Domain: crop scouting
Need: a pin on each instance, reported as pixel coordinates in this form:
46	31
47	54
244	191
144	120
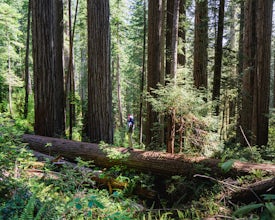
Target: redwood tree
262	81
256	78
154	62
173	74
201	44
47	35
218	58
27	73
100	121
182	33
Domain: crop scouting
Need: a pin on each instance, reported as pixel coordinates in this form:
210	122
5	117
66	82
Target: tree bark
154	65
256	77
261	88
201	44
27	74
158	163
100	119
218	60
173	75
182	33
142	75
47	35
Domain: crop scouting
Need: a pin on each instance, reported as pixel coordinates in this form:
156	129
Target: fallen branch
248	193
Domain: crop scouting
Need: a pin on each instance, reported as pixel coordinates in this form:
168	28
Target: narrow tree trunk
142	75
157	163
27	74
182	32
218	59
240	73
9	80
163	68
154	65
118	78
274	83
169	29
70	72
173	75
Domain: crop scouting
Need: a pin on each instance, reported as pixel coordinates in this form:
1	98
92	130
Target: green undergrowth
70	193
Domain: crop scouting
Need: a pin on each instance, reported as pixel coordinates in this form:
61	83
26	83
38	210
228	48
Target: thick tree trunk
158	163
256	77
100	117
47	35
261	90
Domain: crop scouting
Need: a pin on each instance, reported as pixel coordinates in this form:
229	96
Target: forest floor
33	189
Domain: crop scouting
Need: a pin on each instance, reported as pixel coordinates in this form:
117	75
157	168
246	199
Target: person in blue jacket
131	126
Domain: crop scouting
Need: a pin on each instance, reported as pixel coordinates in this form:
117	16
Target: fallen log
158	163
253	192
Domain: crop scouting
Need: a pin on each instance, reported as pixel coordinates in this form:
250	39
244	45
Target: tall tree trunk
218	59
233	47
118	77
27	74
9	79
274	83
142	75
182	33
48	67
100	120
262	78
154	63
70	73
201	44
162	123
173	75
240	71
249	51
169	28
256	79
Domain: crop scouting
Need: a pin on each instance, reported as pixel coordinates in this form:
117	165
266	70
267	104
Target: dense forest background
197	75
191	74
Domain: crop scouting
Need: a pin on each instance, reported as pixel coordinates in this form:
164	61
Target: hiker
131	126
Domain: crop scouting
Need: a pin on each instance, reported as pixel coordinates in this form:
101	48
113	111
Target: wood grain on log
158	163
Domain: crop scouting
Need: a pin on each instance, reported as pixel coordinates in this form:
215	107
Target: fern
41	212
28	212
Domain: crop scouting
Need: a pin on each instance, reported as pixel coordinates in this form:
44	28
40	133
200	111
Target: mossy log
157	163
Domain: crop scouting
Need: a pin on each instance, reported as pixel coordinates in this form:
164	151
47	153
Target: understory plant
195	126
